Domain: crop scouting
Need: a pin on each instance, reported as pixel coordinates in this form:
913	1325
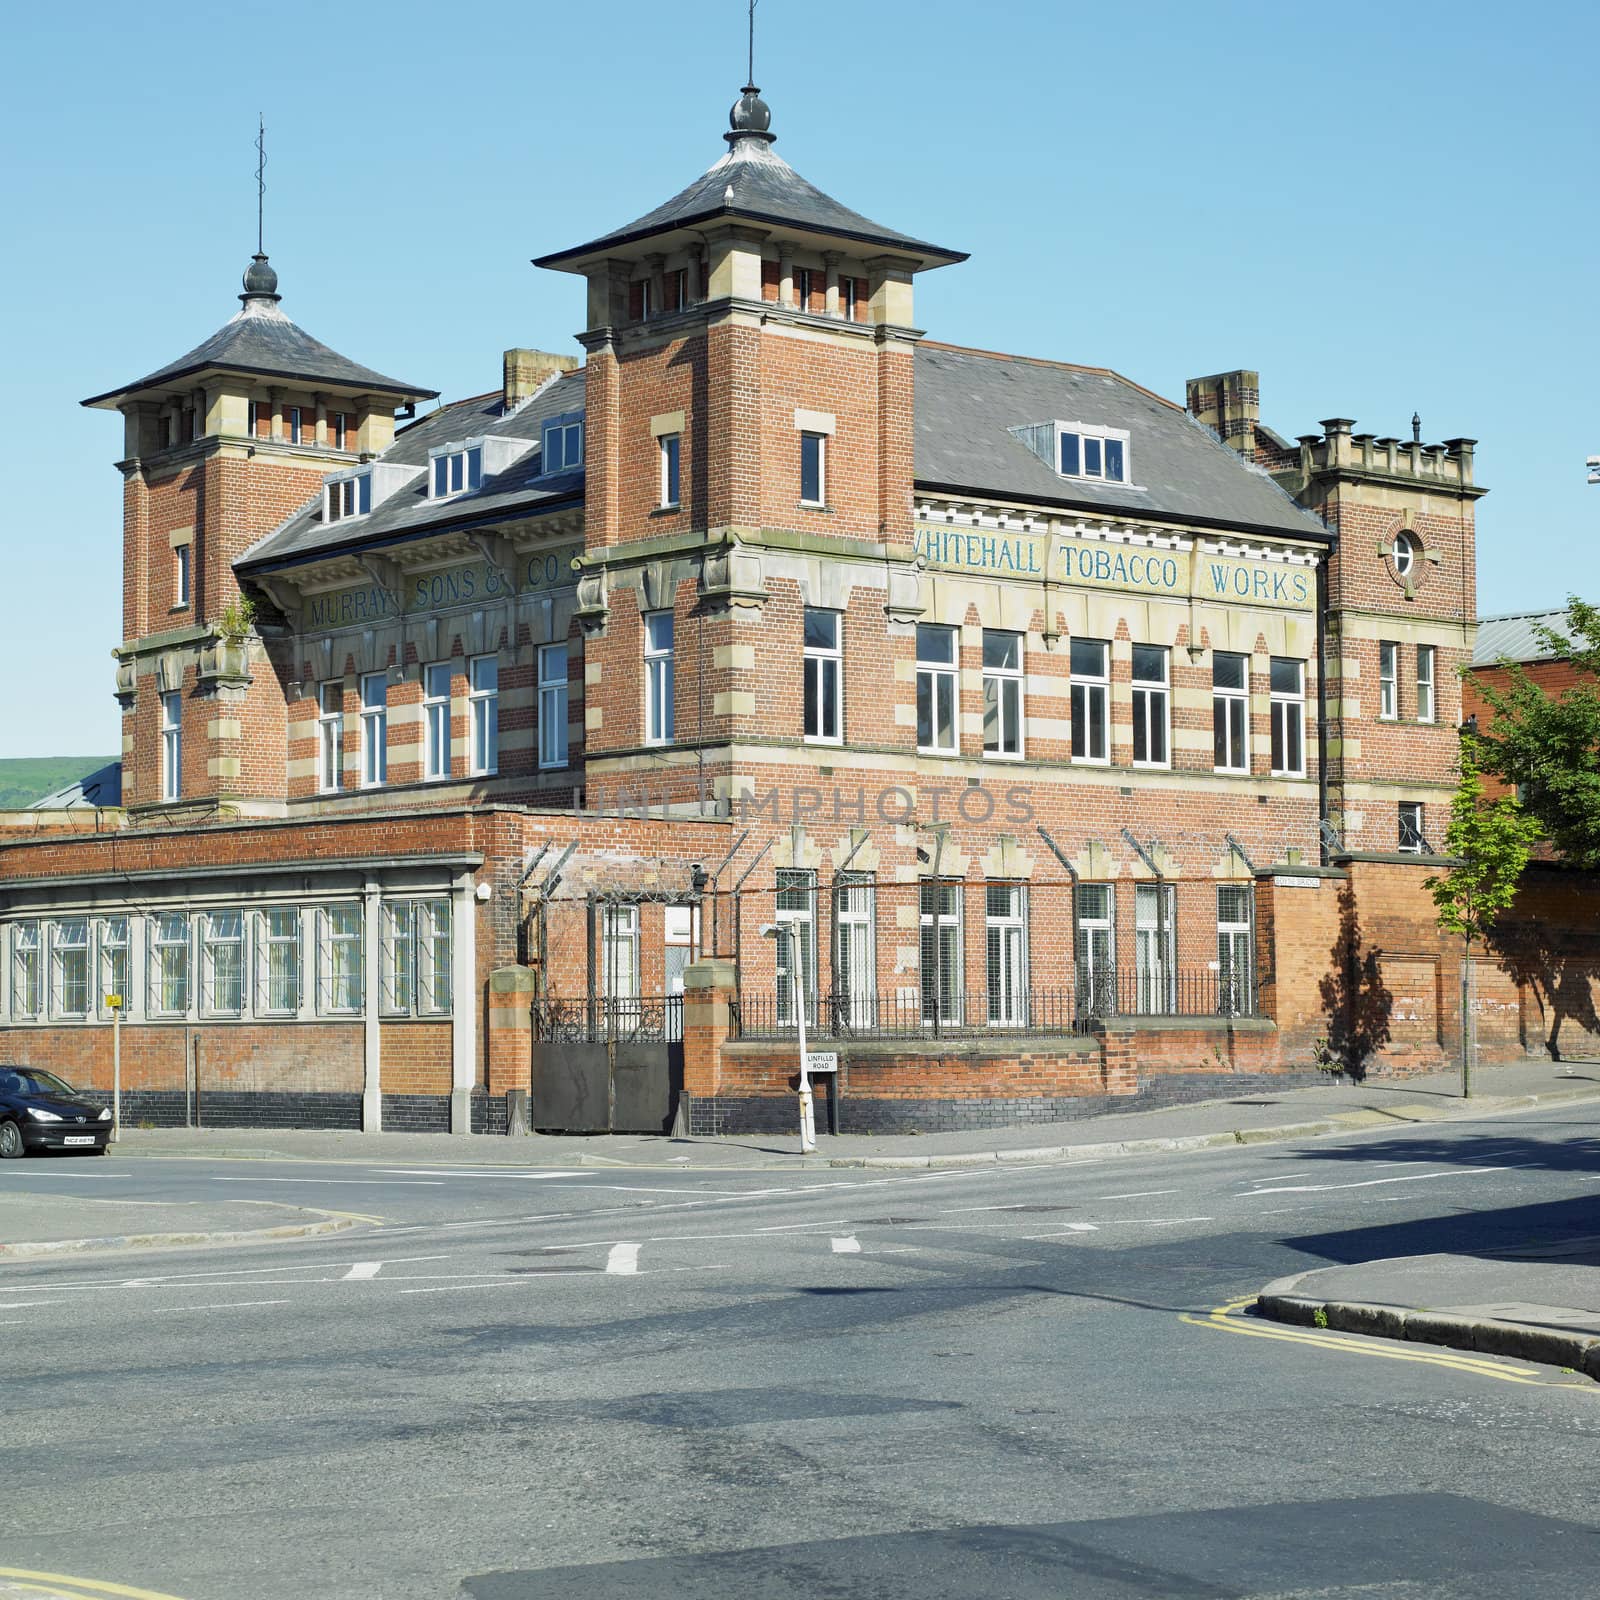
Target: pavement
1531	1305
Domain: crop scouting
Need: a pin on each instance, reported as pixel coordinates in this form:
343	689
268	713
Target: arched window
1405	553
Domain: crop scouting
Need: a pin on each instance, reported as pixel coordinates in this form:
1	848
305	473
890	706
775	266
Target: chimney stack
1229	403
525	370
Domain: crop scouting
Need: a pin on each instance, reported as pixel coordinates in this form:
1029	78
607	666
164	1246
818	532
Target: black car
40	1112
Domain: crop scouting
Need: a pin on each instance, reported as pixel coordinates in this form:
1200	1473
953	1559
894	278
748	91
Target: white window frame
1090	441
1404	553
1094	947
1004	697
855	971
1154	948
415	957
1388	680
374	729
1236	947
288	947
1288	712
553	705
1005	923
1414	812
794	904
28	978
566	434
1230	717
172	744
939	690
170	931
849	300
436	720
808	437
347	496
183	574
940	935
294	420
338	425
1090	704
670	446
455	470
330	735
1152	708
1427	683
114	961
660	676
822	678
218	943
483	715
70	940
620	983
341	983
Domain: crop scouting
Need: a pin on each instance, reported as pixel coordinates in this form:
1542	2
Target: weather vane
261	180
751	77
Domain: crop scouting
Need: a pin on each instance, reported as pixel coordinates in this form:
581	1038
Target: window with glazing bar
374	729
69	967
855	981
936	689
169	964
27	971
1425	701
1230	711
670	445
553	705
939	913
659	675
822	667
1288	684
278	961
116	972
172	745
1006	954
1152	714
1090	660
340	977
330	734
222	963
1002	694
483	714
436	720
794	906
1388	680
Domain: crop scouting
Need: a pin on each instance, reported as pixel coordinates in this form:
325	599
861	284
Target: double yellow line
1226	1318
65	1588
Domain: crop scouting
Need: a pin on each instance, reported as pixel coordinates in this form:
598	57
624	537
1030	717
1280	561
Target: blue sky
1382	210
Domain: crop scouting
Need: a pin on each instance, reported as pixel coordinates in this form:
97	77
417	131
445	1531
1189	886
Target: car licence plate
79	1138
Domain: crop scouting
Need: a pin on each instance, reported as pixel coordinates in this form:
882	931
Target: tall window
823	669
116	973
849	299
483	713
340	431
1002	694
1230	711
436	720
27	970
374	729
330	734
795	904
1425	703
182	555
942	974
936	688
1151	706
619	953
294	424
1095	949
340	985
222	963
172	745
855	983
1388	680
671	444
813	468
802	288
658	677
1153	944
1288	717
278	961
553	705
1006	960
415	958
1091	700
69	967
1411	840
1235	949
169	964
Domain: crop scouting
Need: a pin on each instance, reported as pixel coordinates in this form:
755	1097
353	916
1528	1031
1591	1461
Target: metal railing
598	1019
1075	1009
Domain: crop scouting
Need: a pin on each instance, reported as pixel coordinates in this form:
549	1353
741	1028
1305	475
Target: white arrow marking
363	1269
623	1259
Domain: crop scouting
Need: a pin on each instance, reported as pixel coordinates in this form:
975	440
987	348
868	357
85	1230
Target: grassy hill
24	779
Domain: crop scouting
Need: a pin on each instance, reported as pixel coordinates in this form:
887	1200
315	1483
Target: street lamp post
785	935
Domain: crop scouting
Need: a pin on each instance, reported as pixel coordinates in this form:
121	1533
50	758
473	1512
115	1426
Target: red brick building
1074	731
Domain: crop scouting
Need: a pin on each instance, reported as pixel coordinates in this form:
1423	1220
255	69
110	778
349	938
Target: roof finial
261	180
750	76
751	118
260	281
1416	428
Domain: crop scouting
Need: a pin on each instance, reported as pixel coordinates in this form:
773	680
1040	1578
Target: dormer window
345	497
1084	450
563	445
455	469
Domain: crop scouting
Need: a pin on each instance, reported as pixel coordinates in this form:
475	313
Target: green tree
1489	843
1548	746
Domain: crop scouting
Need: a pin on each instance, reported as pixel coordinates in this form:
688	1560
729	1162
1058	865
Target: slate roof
764	188
102	787
409	512
968	400
1511	638
260	339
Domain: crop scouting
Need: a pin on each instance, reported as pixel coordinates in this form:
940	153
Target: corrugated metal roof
1512	637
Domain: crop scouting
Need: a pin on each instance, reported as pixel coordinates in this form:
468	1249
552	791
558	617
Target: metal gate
607	1066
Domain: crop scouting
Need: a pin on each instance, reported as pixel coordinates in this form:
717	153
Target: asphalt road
587	1384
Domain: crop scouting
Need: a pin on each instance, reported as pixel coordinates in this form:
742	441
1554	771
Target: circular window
1405	553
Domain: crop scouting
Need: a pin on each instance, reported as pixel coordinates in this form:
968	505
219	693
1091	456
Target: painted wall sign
1126	569
443	589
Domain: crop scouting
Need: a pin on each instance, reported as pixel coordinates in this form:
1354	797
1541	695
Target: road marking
467	1172
1144	1194
623	1259
217	1305
1369	1183
369	1183
846	1245
1225	1319
362	1269
86	1585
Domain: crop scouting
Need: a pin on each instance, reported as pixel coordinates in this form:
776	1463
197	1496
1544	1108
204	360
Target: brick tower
749	384
221	446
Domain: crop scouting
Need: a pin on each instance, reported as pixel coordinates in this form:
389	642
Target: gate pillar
710	989
510	1052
